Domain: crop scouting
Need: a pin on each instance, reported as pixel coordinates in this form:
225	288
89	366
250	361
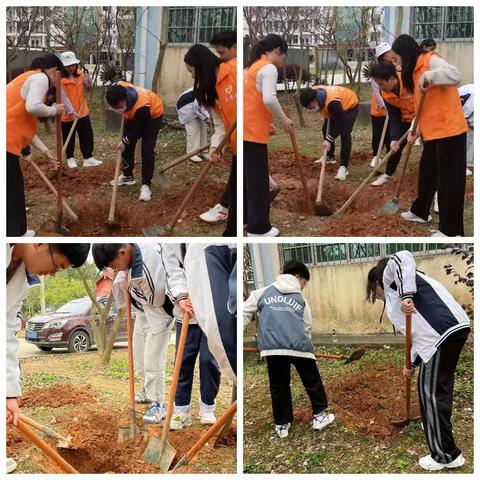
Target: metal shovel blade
356	355
390	207
129	433
322	210
60	227
65	442
405	422
163	179
112	224
154	455
157	231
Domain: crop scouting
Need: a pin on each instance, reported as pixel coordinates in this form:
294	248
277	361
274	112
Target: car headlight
56	324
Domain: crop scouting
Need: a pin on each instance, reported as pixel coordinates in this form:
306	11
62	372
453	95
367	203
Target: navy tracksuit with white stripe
439	331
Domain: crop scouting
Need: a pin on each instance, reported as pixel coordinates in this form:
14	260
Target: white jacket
191	111
146	285
439	314
17	289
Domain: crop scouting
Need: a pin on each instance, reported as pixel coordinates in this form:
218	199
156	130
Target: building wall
337	295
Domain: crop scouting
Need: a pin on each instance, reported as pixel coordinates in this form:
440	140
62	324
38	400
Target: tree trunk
158	67
301	118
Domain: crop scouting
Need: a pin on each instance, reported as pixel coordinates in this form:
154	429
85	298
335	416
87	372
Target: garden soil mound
95	447
56	396
88	192
362	217
368	402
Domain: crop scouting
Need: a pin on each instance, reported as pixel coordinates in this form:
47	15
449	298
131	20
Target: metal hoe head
322	210
390	207
112	224
155	456
60	227
129	433
157	231
356	355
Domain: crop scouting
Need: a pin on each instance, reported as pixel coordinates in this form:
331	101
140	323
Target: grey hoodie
285	318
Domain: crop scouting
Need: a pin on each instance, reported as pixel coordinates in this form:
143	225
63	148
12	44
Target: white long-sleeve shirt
266	84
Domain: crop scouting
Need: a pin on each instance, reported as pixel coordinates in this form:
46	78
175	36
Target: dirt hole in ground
368	402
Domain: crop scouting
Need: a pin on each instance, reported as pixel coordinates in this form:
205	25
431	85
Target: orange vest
347	97
226	105
145	97
256	116
404	101
442	114
75	91
21	125
375	109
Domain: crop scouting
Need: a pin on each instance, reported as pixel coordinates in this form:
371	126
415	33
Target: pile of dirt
362	217
57	395
368	402
95	447
16	441
88	192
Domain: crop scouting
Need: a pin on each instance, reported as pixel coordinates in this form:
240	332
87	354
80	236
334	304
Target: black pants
256	204
231	193
442	168
16	212
85	137
435	389
149	140
394	160
279	377
345	135
377	128
196	345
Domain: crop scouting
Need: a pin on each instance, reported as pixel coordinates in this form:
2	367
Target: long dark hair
205	65
375	275
267	44
406	46
46	61
75	73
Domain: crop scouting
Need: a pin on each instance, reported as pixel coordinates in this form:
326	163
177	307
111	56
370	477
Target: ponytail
267	44
375	275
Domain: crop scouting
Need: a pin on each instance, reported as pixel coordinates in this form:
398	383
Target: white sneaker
381	180
330	159
469	172
181	420
156	413
273	232
373	163
141	397
321	420
216	214
71	162
207	418
145	194
341	174
428	463
11	465
123	180
196	159
29	233
91	162
435	203
411	217
282	430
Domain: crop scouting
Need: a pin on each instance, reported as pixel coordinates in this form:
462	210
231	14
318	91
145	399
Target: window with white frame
343	253
443	23
189	25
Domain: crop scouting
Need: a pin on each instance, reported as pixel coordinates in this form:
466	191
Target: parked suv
69	326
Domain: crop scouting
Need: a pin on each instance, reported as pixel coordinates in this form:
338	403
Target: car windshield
77	306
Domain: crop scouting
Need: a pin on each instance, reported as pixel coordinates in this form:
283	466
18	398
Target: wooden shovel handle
111	213
382	138
408	350
181	159
72	128
58	124
200	443
369	177
175	375
408	149
323	162
46	448
131	374
317	354
42	428
200	178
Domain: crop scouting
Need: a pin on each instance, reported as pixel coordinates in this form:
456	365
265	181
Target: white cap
69	58
380	49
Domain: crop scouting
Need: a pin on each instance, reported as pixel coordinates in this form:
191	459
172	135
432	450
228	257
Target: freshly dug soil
368	402
95	447
88	192
56	396
362	217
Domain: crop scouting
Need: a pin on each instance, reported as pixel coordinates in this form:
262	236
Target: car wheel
44	349
79	342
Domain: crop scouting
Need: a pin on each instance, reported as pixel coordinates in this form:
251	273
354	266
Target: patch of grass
118	368
42	380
